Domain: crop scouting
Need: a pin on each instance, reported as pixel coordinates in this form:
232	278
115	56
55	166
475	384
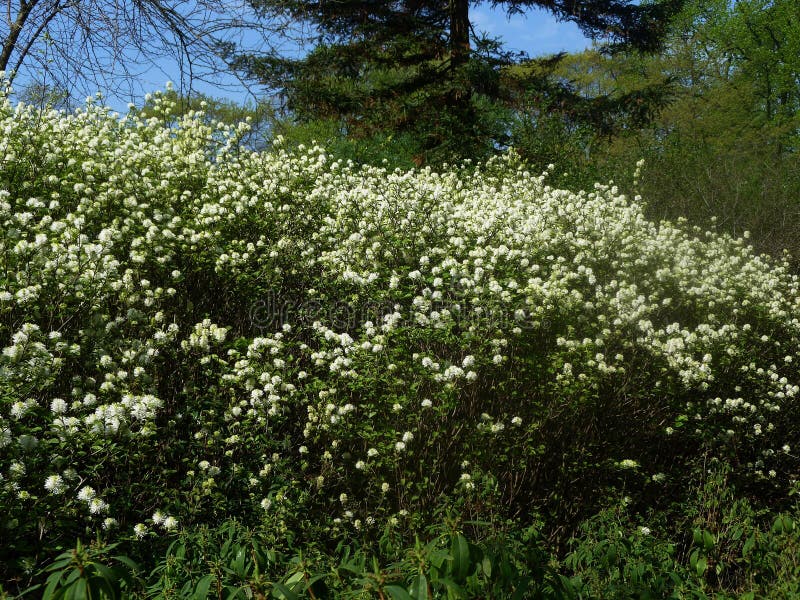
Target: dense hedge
194	332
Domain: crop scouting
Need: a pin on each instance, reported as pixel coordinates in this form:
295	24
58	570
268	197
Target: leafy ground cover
278	374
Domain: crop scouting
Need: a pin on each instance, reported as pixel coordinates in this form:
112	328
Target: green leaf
79	591
74	574
109	591
486	565
397	593
708	541
294	579
281	592
748	545
60	562
698	536
203	586
693	558
52	584
701	566
452	587
105	572
127	562
460	551
238	563
313	580
782	524
419	587
438	557
235	592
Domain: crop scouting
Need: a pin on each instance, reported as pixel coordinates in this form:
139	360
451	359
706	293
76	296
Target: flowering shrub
192	330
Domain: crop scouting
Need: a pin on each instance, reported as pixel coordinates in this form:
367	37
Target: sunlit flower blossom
97	506
86	494
58	406
55	485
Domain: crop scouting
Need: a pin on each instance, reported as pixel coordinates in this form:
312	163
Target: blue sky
537	32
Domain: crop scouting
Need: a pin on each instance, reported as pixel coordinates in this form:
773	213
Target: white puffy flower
55	485
58	406
86	494
97	506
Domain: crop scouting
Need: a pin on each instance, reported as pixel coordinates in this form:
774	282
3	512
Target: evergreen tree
417	68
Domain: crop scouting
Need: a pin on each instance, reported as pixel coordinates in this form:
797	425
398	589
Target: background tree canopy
418	70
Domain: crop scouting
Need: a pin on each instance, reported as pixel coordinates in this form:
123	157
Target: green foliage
391	150
83	573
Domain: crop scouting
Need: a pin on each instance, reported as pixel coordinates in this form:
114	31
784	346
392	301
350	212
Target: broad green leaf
80	591
419	587
460	551
52	584
708	540
203	586
282	592
486	565
105	572
397	593
453	588
748	545
60	563
697	534
294	579
132	567
238	562
701	566
312	580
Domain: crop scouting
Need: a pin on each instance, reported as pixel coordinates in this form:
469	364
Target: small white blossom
55	485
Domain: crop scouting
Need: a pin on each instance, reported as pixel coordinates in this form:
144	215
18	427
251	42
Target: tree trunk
459	32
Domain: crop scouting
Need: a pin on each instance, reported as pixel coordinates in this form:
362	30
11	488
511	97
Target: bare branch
86	45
